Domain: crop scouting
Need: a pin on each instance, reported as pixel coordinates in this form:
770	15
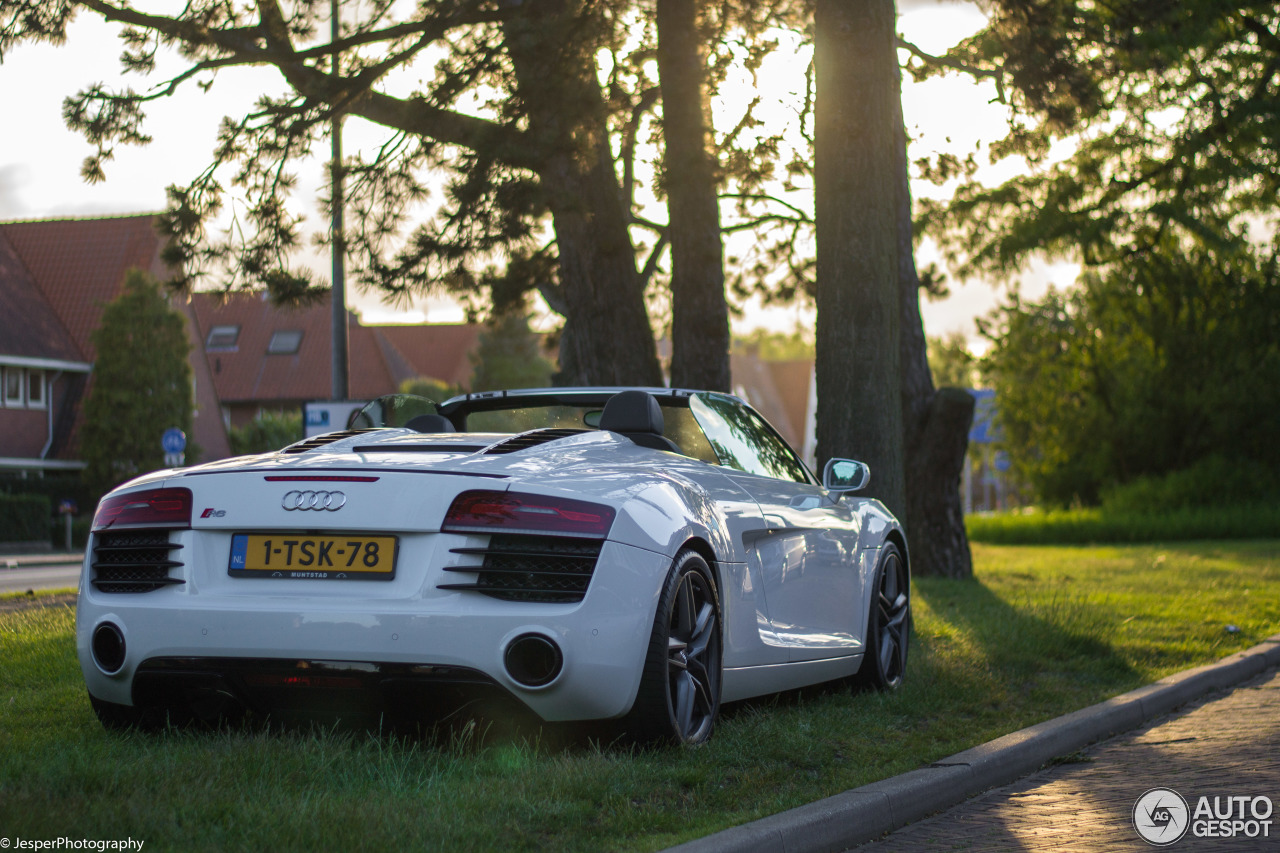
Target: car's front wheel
679	696
884	662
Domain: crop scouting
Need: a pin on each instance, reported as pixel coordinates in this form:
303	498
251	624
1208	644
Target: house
264	357
247	355
784	392
56	276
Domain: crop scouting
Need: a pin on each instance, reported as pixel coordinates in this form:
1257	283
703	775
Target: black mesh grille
531	568
133	560
525	440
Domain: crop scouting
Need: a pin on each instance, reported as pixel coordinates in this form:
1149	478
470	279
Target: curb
31	561
864	814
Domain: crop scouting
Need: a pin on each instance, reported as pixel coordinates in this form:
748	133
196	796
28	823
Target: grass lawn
1043	631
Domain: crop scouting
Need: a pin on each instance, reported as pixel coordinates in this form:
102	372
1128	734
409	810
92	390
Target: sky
40	158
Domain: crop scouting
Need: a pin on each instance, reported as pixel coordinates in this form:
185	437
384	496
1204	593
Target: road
47	576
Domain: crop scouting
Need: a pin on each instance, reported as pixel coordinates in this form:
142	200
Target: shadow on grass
979	666
1044	655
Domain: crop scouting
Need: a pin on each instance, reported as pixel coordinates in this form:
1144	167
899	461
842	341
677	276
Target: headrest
632	411
429	423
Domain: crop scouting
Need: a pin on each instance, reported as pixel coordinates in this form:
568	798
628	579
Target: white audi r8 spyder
633	555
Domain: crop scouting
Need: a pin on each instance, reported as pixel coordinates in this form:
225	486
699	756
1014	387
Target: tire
679	696
884	663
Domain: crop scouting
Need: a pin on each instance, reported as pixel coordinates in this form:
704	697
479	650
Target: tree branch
956	65
1266	38
410	115
651	262
801	215
761	220
642	106
401	30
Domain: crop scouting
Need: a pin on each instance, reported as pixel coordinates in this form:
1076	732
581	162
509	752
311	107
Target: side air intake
547	569
133	560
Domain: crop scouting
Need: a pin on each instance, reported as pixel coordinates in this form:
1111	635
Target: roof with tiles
56	276
29	327
440	351
245	370
80	264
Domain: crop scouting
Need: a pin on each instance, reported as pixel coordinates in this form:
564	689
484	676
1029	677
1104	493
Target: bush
56	487
80	527
1098	525
24	518
1213	481
1143	369
266	433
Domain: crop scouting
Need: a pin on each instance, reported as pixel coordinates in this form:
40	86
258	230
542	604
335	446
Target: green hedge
57	486
24	518
1100	525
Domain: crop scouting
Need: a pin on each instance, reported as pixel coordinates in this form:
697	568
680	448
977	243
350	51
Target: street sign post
174	442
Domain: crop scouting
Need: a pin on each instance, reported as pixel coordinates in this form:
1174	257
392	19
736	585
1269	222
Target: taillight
516	512
154	508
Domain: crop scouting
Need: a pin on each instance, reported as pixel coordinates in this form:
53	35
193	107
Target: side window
742	440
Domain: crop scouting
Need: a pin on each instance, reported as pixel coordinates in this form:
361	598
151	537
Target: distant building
268	358
247	355
784	392
56	276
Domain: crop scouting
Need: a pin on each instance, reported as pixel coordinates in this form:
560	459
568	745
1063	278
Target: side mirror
845	475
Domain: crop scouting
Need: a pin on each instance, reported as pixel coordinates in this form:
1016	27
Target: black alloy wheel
889	625
679	697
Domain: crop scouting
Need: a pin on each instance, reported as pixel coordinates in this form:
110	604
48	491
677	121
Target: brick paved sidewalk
1227	744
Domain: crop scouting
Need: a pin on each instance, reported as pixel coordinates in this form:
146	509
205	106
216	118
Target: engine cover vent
533	438
322	440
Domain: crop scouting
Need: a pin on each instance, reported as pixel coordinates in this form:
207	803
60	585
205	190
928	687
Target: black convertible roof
488	401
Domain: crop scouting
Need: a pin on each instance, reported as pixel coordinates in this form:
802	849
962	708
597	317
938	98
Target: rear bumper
176	638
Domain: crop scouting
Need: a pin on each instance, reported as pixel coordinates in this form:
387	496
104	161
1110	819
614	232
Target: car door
806	552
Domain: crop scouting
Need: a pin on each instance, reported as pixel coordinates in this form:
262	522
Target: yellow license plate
296	555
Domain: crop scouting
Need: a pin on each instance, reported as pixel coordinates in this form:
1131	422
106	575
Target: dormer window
222	338
285	342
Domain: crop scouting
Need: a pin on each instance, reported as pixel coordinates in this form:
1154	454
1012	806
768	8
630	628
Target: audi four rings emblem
332	501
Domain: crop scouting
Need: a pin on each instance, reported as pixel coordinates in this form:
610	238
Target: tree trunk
699	312
856	198
607	339
936	423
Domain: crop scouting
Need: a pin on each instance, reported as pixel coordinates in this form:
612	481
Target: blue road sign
174	440
984	429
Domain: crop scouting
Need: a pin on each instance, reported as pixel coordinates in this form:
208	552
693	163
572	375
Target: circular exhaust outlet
533	660
108	648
